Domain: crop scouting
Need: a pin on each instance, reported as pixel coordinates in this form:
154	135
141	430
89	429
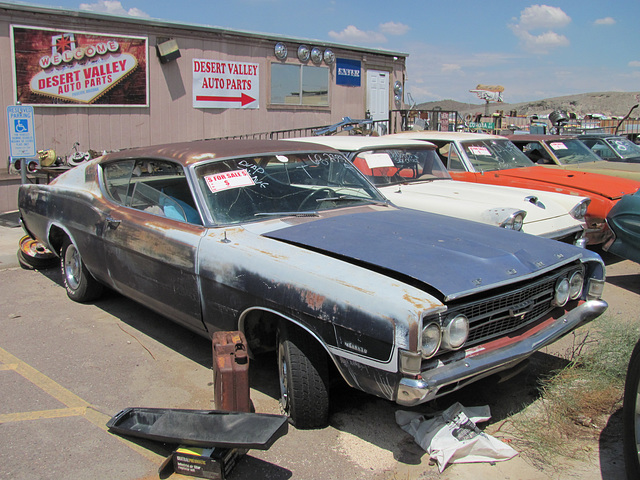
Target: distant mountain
610	104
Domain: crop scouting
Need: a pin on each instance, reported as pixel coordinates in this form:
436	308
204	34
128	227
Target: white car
410	174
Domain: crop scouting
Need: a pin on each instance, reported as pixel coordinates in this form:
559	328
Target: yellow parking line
77	406
45	383
56	413
11	366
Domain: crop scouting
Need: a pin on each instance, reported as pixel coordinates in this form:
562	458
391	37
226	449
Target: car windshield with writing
572	151
391	166
254	188
624	147
488	155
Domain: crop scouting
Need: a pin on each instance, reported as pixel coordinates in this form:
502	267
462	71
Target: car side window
153	186
603	150
451	158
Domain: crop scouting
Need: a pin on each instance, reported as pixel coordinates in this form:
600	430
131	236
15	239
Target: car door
151	244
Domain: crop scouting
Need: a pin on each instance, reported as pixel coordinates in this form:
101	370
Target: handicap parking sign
22	138
21	125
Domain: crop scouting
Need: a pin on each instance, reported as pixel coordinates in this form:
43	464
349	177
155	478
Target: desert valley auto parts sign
225	84
62	67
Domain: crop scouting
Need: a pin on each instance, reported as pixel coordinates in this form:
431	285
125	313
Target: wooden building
111	82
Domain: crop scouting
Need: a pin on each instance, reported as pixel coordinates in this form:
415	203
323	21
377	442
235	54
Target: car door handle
113	223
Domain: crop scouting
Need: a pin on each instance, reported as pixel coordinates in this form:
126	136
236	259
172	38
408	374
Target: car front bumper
492	357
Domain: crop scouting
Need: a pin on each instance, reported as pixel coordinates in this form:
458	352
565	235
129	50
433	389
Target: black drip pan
201	428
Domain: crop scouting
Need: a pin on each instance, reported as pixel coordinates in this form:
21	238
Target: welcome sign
61	67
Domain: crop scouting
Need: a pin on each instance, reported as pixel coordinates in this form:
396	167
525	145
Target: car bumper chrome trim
481	363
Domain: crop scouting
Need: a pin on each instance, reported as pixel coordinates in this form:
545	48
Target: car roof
358	142
539	138
447	136
188	153
600	135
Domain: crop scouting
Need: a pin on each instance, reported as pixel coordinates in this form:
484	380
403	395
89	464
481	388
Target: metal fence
446	120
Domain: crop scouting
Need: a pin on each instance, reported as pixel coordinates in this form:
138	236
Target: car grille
501	314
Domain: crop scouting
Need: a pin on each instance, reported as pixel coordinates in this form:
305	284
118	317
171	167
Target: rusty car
613	148
290	244
410	174
494	159
571	153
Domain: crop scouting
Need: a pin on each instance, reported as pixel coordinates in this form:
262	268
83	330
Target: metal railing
439	120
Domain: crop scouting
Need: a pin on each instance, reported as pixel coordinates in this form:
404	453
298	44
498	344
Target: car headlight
561	296
576	283
580	210
431	338
515	221
455	332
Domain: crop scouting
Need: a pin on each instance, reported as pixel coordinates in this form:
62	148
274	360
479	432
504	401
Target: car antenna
225	239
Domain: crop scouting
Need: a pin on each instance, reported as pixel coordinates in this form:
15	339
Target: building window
299	85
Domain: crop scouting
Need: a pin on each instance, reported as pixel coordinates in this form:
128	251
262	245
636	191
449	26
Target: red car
495	160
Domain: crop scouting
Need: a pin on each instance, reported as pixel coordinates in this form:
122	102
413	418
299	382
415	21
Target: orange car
492	159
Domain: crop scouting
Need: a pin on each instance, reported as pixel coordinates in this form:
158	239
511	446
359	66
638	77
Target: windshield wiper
350	198
310	213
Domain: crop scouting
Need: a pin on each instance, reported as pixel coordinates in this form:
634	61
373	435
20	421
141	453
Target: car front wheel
303	372
631	416
79	283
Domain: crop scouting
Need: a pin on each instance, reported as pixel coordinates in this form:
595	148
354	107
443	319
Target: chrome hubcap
72	267
282	374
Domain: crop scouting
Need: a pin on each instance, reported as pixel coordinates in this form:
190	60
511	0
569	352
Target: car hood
587	182
603	167
456	257
475	201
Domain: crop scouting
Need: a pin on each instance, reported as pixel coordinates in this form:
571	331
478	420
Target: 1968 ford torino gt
289	243
410	174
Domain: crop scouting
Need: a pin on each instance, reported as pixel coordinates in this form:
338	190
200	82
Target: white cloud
355	35
450	68
605	21
634	63
541	20
113	7
393	28
543	17
543	43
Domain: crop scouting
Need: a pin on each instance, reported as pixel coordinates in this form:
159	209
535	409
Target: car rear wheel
79	283
303	372
631	416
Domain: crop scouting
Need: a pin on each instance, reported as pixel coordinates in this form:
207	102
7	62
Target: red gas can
231	372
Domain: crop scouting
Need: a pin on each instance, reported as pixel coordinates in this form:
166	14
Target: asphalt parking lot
66	368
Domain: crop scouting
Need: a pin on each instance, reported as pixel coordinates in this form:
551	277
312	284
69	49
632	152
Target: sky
533	50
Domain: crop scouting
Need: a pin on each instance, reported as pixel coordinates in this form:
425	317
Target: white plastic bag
452	436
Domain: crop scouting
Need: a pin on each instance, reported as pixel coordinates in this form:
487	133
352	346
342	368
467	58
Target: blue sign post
22	134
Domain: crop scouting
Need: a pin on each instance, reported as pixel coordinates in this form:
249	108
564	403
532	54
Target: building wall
170	116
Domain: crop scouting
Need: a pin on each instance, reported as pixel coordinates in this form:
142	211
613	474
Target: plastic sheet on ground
452	436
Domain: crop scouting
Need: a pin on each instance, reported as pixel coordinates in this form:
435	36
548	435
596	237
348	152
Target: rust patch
419	303
314	300
350	285
271	254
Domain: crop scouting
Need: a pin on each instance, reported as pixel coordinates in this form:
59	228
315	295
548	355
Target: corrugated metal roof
154	22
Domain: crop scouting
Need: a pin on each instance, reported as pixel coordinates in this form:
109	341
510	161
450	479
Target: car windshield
498	154
572	151
391	166
254	188
624	147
